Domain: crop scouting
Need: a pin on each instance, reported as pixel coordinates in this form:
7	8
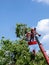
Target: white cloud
45	38
42	1
43	28
45	41
47	52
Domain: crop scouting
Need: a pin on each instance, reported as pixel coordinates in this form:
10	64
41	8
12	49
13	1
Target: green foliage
21	30
17	52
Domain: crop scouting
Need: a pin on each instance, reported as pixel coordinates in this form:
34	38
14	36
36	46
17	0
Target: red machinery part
44	53
32	43
42	50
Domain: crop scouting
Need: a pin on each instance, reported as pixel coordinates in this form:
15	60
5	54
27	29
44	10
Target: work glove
39	35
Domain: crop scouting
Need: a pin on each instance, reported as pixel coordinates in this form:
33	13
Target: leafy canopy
17	52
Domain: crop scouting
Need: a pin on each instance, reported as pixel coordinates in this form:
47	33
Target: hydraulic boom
42	50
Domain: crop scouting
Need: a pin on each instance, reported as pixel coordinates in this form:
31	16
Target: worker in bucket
32	39
33	34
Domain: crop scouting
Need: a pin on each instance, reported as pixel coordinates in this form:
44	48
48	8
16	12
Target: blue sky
20	11
29	12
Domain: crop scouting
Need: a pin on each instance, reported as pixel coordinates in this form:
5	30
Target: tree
21	30
17	52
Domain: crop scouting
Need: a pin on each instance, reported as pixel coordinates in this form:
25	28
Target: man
33	34
32	38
